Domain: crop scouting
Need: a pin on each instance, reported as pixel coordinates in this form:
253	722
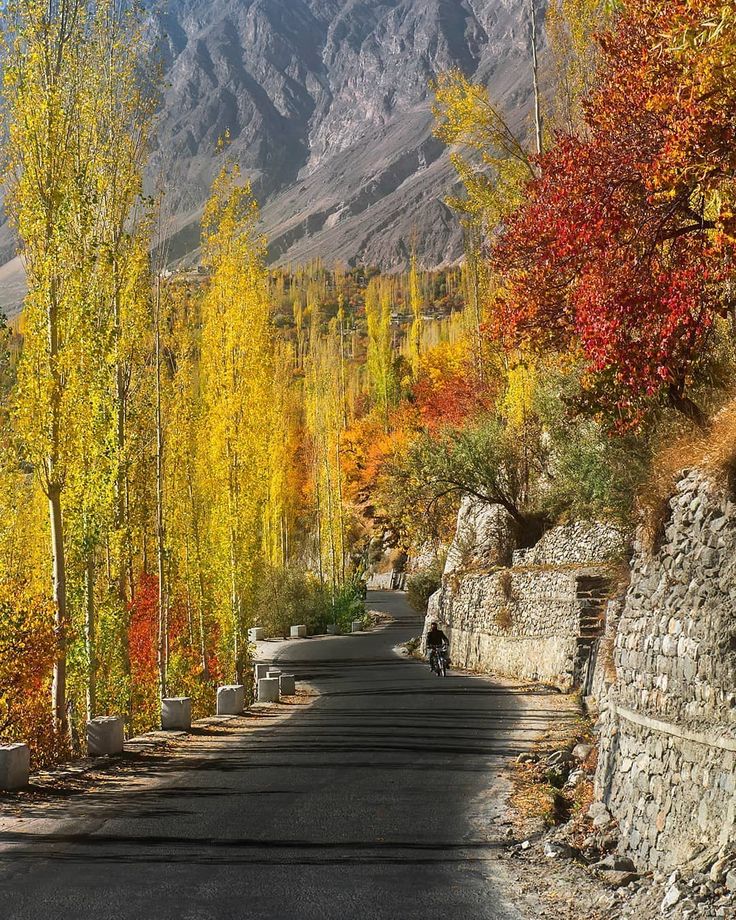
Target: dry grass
506	584
536	796
607	658
712	450
505	617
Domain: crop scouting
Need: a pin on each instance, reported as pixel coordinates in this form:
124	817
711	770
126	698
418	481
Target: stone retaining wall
668	728
526	620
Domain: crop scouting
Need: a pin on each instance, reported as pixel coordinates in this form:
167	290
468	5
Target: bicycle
438	661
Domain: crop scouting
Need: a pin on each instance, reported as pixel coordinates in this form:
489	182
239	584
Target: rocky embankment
649	816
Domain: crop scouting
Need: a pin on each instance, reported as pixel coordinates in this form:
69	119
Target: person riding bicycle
437	645
435	637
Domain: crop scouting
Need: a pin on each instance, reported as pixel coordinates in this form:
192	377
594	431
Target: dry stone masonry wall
536	619
668	729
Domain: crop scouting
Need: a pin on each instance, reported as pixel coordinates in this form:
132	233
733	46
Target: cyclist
437	641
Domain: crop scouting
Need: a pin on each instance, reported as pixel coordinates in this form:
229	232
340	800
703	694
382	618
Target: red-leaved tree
608	253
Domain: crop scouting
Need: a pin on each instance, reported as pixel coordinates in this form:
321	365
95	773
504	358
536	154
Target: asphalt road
372	803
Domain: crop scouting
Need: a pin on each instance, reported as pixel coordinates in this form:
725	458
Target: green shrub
420	587
287	596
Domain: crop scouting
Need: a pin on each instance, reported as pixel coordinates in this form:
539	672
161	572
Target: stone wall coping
592	567
668	728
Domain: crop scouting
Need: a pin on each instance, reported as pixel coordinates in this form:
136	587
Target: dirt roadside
146	759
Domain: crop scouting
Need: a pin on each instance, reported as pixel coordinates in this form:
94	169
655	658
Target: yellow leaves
571	27
378	309
521	381
491	161
242	412
415	333
325	414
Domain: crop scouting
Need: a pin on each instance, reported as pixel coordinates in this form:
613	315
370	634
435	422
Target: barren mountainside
327	104
328	107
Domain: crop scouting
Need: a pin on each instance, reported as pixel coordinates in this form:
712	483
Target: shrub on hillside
487	459
420	587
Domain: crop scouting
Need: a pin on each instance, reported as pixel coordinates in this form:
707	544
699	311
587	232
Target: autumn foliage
622	244
27	649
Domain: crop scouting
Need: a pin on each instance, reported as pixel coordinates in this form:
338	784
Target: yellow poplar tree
47	47
236	373
325	423
380	355
415	302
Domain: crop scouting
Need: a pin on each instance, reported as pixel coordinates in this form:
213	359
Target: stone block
105	735
274	672
299	632
256	634
287	685
230	700
176	713
15	762
268	690
333	629
357	626
261	670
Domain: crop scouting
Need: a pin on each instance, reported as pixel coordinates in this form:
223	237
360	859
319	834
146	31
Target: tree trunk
163	619
123	562
58	687
687	407
535	80
91	637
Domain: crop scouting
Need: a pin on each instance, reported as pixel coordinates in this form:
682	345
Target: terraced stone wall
534	614
667	763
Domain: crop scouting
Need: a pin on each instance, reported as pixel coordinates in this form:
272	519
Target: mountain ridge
328	110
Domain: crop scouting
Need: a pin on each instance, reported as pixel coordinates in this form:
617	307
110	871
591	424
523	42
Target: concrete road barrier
287	685
268	690
333	629
299	632
105	736
256	634
15	765
261	670
357	626
274	672
176	713
230	700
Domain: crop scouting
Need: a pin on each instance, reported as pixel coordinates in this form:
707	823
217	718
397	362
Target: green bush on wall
420	587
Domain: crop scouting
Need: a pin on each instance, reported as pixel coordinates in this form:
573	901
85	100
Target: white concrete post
256	634
299	632
230	700
274	672
268	690
287	685
15	765
261	670
333	629
357	626
176	713
105	735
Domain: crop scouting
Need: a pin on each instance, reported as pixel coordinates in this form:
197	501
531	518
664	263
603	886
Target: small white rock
671	898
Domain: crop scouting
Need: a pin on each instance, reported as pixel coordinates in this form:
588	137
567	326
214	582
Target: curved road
375	802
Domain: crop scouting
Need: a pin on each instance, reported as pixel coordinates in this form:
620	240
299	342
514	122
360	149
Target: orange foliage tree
27	650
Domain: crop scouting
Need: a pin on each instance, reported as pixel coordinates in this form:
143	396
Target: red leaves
604	253
449	400
143	634
27	651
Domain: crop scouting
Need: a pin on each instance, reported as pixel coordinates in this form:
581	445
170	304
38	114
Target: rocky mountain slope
327	105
